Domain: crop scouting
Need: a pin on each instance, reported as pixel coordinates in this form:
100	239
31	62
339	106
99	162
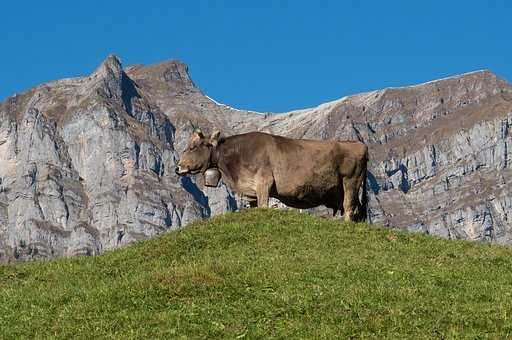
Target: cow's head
197	157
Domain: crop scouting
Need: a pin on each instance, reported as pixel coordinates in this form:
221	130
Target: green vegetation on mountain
264	273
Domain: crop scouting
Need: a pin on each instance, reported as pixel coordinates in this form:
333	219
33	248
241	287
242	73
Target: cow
300	173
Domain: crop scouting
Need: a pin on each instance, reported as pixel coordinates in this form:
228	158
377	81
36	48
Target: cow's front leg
263	186
263	193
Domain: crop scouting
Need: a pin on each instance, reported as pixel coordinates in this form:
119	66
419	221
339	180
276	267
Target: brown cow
300	173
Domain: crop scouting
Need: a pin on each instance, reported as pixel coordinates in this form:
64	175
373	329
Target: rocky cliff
86	164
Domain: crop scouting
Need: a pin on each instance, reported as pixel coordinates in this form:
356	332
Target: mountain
86	164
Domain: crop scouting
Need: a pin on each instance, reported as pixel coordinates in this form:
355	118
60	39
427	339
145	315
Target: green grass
266	274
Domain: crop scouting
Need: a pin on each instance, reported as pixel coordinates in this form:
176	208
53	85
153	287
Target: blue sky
259	55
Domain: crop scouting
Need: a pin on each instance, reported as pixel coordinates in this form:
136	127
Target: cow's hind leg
351	198
339	208
338	200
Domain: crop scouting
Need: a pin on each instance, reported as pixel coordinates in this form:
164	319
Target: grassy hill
266	273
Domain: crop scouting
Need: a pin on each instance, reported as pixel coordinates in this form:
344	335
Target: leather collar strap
212	162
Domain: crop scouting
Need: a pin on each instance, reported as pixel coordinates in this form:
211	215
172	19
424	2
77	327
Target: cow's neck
219	160
214	158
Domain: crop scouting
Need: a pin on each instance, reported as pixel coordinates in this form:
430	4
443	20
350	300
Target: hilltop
266	274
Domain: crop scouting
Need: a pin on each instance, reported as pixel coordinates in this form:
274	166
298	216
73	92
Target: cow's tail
364	195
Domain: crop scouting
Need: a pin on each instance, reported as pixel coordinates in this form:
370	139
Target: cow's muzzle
181	171
185	171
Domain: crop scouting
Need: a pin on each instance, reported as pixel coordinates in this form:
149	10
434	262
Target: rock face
439	159
87	164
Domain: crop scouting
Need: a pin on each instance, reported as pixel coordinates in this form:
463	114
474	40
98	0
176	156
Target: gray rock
87	164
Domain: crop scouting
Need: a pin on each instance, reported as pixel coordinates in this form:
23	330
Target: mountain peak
111	66
484	76
170	71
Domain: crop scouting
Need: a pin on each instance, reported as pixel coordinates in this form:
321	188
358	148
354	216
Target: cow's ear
214	138
198	134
